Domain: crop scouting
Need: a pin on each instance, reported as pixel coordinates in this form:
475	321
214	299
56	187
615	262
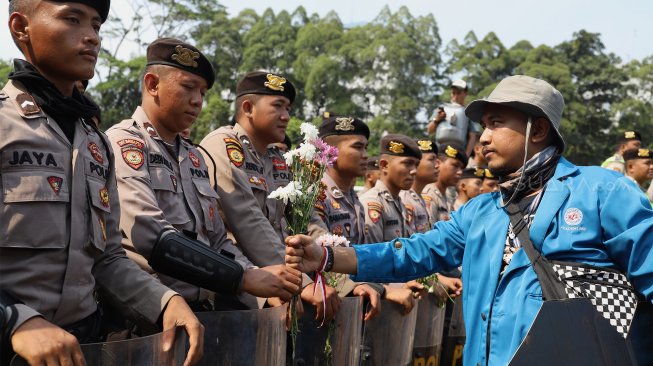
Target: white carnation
307	151
289	193
309	131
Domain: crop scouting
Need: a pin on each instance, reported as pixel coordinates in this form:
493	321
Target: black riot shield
641	334
138	351
344	337
427	345
572	332
454	335
244	338
388	337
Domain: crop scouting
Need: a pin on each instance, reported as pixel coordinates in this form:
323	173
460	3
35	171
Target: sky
625	26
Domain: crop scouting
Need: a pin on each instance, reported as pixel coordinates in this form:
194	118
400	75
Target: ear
383	164
151	84
540	130
19	28
247	107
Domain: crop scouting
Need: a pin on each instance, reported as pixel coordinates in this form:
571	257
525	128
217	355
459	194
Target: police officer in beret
371	175
452	161
469	186
639	166
490	182
163	180
427	172
59	207
247	170
626	141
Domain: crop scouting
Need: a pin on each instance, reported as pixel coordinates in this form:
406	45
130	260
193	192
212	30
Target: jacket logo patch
234	151
279	164
95	152
173	179
27	104
573	216
133	157
55	183
194	159
374	211
104	196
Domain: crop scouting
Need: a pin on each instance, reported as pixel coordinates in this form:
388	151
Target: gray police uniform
417	214
60	220
386	217
162	187
437	204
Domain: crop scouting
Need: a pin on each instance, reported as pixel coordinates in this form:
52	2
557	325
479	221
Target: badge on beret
95	152
396	147
27	104
451	152
374	211
55	183
136	143
488	174
275	82
234	151
133	157
185	57
425	145
344	124
194	159
326	114
643	153
337	230
479	172
173	179
104	196
629	134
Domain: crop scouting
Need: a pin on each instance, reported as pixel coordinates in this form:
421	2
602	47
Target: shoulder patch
336	192
133	156
132	142
150	129
374	211
3	95
234	151
27	104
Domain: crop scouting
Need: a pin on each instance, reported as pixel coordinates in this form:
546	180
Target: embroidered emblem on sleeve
374	211
234	151
133	157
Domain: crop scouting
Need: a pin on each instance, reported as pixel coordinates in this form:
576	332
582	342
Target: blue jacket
615	230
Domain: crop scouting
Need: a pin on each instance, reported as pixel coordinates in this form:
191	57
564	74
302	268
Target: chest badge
337	230
55	183
194	159
104	196
573	216
95	152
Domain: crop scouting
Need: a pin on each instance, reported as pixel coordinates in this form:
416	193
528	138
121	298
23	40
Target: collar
244	138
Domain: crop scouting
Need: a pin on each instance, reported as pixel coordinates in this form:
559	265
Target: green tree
5	68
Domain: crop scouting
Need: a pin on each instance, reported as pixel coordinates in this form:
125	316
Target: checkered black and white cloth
610	292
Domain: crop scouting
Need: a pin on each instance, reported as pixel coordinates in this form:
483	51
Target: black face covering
66	111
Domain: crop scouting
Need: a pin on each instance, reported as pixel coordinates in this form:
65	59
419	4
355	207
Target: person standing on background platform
59	209
450	124
245	170
627	140
163	181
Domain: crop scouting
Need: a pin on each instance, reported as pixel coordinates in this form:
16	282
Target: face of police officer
177	97
450	171
269	116
352	155
371	176
458	95
60	39
504	138
630	145
398	172
490	185
471	187
428	168
640	169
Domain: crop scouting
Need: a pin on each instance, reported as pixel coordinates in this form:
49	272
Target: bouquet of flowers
307	164
334	280
434	286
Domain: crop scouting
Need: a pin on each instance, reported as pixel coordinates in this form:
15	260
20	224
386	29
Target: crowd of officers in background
143	186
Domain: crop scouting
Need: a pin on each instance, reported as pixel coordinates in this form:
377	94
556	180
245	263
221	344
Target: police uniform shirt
160	187
341	212
385	216
417	214
60	220
615	162
437	204
245	178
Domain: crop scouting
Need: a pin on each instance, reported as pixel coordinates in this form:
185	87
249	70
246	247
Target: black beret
335	125
477	173
261	82
102	6
373	163
399	145
487	174
175	53
630	135
454	152
632	154
427	146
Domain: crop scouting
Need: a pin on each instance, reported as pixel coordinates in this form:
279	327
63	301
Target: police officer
59	220
626	141
246	171
163	180
427	172
490	182
639	167
469	186
452	161
371	175
385	216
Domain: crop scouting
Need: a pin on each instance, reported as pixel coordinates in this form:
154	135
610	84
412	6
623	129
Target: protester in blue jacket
585	214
